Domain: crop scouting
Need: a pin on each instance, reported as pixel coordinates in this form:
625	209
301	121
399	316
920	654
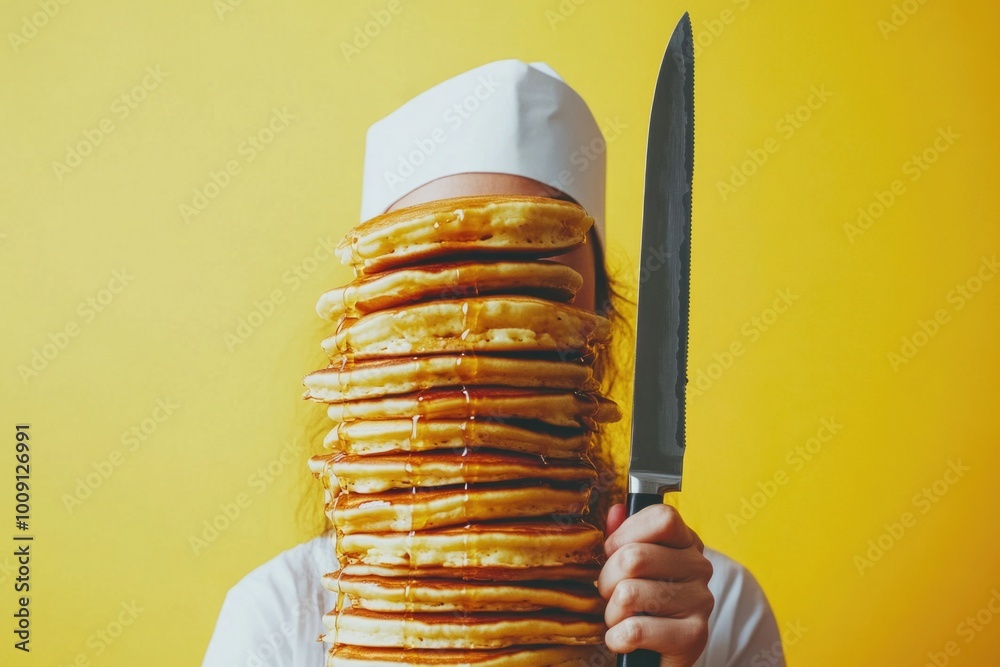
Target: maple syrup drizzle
356	263
349	300
333	438
342	339
339	606
467	547
327	475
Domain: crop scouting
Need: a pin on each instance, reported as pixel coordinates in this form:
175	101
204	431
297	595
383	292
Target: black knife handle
642	657
640	501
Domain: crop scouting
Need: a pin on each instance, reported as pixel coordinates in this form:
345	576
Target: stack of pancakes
464	402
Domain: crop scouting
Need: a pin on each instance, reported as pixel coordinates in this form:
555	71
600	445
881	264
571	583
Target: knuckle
626	596
665	519
630	633
708	604
699	635
690	635
704	569
633	559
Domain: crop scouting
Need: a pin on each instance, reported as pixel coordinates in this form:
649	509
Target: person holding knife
512	128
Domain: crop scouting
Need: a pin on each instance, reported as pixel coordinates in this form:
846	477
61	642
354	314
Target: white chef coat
273	616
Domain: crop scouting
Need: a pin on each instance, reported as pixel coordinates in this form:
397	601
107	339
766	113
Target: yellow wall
173	90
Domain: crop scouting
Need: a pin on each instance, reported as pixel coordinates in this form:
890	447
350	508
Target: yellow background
164	336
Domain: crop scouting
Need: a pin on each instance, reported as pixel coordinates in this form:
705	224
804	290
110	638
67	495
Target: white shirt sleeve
742	630
274	615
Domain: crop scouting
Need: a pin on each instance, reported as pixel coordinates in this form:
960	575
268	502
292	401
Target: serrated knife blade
658	404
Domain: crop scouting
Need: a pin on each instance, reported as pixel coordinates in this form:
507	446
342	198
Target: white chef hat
504	117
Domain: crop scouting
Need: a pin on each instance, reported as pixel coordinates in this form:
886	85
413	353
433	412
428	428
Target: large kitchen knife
664	277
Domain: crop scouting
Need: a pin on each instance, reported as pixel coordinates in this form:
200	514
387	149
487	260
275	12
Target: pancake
515	226
476	631
374	474
482	325
558	408
369	294
583	572
420	435
540	543
518	656
387	377
423	594
409	510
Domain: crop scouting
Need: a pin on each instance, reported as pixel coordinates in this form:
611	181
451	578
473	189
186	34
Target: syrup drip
356	264
332	511
342	378
350	301
414	425
339	607
333	439
459	287
342	340
327	475
413	479
467	532
465	321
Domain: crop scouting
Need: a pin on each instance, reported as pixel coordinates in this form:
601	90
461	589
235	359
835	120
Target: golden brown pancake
583	572
517	656
514	226
392	289
420	435
387	377
425	594
483	324
522	544
419	630
558	408
408	510
373	474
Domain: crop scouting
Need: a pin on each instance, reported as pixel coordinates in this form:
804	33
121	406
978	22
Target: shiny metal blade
664	276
